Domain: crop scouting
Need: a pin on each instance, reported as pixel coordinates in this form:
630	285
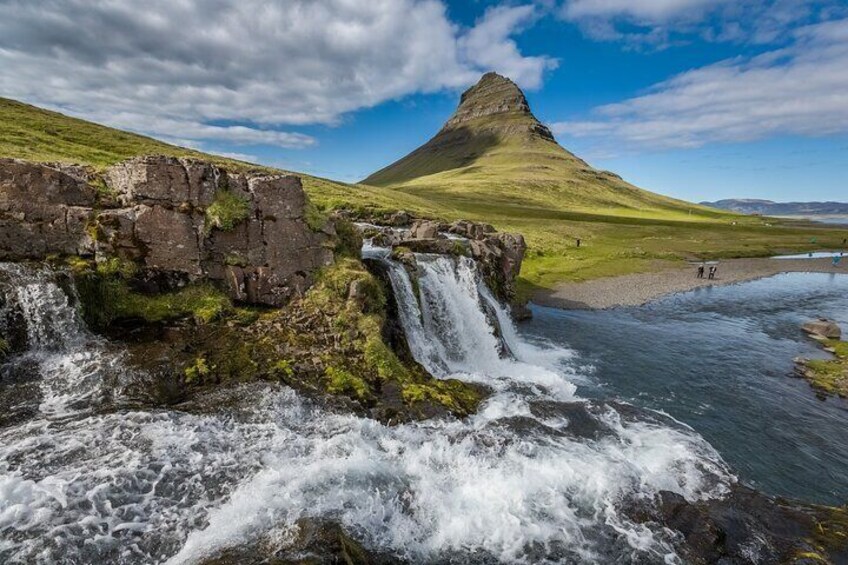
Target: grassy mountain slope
652	232
32	133
494	149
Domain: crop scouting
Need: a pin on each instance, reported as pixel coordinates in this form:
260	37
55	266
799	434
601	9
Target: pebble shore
639	288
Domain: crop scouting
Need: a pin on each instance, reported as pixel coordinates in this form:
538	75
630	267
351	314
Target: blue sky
699	99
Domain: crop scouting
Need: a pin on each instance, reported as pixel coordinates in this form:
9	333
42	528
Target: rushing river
539	474
719	360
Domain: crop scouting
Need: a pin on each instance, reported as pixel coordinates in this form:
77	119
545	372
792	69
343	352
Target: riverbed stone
424	229
823	328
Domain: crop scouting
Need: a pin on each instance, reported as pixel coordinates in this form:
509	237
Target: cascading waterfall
537	475
71	361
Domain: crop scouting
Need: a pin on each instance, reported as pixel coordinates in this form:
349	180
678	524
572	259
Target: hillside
494	148
771	208
35	134
623	229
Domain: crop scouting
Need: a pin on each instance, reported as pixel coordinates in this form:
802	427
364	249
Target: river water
540	474
719	360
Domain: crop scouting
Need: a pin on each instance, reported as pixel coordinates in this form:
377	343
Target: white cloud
801	89
240	70
488	45
663	22
645	10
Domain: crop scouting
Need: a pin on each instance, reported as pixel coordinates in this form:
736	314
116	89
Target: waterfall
69	360
456	328
537	475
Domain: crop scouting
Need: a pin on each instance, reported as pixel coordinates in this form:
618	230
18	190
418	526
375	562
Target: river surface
719	359
543	473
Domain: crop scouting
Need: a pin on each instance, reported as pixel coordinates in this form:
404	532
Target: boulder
425	229
439	246
43	210
471	230
823	328
167	180
399	219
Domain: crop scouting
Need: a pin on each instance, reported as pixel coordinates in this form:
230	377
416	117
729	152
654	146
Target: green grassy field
651	232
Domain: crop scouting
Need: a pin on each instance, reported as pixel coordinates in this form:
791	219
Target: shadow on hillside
449	149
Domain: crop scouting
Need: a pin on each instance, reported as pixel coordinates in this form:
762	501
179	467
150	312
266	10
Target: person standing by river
701	271
713	269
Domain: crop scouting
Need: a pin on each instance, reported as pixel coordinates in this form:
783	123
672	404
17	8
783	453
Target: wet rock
313	541
823	328
521	313
748	527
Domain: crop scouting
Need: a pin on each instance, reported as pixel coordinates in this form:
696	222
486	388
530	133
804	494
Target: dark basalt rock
156	216
498	255
749	527
316	542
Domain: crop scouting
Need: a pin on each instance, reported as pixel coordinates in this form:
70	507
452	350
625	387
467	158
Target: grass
106	296
226	211
829	376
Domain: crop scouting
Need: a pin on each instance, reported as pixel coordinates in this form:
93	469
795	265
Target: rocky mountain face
491	111
180	220
497	97
771	208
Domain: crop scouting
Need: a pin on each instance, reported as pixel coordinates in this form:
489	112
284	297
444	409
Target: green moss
235	260
333	286
829	376
197	372
106	296
829	536
348	239
454	395
380	358
226	211
315	218
340	381
283	369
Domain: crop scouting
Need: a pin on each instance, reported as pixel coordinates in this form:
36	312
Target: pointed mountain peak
495	102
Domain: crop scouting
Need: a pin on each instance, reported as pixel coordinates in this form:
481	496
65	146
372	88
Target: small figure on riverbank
713	269
701	271
578	242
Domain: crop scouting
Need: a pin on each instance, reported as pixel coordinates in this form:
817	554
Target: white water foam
71	361
505	484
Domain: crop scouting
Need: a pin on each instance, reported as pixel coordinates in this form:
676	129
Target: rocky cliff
179	220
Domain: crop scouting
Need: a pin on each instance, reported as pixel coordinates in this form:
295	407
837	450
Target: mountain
771	208
494	148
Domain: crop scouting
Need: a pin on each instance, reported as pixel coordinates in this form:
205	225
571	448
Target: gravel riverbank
639	288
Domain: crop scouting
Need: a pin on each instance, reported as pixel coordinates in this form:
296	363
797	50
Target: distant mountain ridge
771	208
494	150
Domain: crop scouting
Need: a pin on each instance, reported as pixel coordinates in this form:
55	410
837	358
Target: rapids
539	474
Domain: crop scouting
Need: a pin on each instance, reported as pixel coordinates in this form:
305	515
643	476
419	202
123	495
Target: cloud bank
241	71
801	89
